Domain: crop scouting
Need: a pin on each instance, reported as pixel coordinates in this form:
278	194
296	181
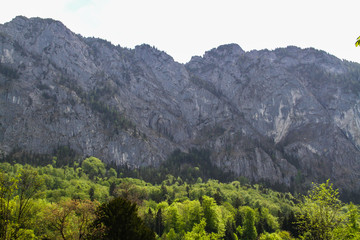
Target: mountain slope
282	117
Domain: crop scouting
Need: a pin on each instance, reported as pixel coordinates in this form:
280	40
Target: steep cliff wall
272	116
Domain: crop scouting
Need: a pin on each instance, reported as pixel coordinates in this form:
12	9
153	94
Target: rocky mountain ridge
288	116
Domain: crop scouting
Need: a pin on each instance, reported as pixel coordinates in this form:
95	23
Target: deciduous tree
249	230
16	195
8	187
318	213
94	167
210	214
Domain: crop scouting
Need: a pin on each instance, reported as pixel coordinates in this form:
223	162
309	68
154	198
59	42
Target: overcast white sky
186	28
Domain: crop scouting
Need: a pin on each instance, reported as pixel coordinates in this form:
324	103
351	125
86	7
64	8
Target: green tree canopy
249	230
16	202
318	214
118	219
94	167
210	214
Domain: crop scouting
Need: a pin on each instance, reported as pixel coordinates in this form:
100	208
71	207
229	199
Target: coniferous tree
112	189
92	194
149	220
118	219
159	225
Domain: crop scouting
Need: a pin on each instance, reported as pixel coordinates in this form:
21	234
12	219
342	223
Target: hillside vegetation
88	200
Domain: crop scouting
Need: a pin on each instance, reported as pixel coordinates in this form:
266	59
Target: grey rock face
283	117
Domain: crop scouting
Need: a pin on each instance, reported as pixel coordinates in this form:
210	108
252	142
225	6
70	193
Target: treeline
191	167
61	156
89	201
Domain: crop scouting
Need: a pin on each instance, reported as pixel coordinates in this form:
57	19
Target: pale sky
187	28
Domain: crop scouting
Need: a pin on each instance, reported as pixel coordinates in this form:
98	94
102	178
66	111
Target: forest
90	200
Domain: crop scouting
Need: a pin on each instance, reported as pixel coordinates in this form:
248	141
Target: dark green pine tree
118	219
92	194
149	220
159	225
112	189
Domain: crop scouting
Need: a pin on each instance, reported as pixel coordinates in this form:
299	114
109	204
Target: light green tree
172	218
318	213
249	230
198	233
16	203
353	225
171	235
210	214
357	43
192	213
94	167
111	173
269	236
350	229
8	187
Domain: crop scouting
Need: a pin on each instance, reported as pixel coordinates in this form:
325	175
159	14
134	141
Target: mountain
283	117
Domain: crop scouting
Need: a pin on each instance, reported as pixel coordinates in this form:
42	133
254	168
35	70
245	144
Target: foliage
352	227
8	186
198	233
82	201
357	43
283	235
190	167
118	219
211	215
93	167
62	156
68	219
249	231
16	205
318	213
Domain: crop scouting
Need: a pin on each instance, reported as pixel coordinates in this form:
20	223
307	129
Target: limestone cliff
283	117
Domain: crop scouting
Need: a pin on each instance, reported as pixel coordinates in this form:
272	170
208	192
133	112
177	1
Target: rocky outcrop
283	117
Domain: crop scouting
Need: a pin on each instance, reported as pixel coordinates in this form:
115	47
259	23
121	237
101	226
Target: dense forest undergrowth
85	199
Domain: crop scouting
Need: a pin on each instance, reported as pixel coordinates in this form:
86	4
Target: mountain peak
24	22
225	50
148	53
